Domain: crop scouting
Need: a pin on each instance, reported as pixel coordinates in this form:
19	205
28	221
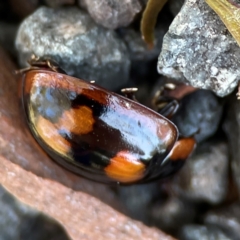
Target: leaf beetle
98	134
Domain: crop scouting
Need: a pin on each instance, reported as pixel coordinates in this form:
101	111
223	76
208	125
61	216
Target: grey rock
137	199
197	232
112	14
227	218
200	51
153	204
231	127
199	115
138	49
18	221
170	213
71	38
204	177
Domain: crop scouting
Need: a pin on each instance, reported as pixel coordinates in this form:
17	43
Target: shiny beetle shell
95	133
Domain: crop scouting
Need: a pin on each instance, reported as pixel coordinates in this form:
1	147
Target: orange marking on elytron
125	167
182	149
49	134
77	121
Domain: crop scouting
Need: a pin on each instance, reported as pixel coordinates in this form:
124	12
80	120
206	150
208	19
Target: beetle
98	134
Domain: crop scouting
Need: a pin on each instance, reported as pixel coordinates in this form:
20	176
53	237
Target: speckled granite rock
200	51
112	14
71	38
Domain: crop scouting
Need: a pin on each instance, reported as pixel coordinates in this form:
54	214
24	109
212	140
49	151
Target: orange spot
77	121
49	134
125	167
182	149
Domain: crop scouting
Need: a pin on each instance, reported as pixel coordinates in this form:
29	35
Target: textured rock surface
199	50
18	221
197	232
112	14
231	127
205	175
199	115
36	180
71	38
138	49
227	218
154	204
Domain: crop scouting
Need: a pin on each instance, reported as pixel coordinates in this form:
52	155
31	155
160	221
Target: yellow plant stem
149	19
229	14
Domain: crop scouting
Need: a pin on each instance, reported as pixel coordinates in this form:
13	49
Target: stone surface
138	49
227	218
71	38
197	232
154	204
231	127
18	221
199	115
204	177
200	51
36	180
112	14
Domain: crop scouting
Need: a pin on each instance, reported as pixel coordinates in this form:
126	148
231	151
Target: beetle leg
130	93
168	107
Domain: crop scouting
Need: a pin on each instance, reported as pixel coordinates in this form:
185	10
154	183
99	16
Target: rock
204	177
231	127
153	204
170	214
199	115
112	14
138	49
226	218
196	232
200	51
76	43
18	221
137	199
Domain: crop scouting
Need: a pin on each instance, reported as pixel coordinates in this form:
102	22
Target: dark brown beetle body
95	133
